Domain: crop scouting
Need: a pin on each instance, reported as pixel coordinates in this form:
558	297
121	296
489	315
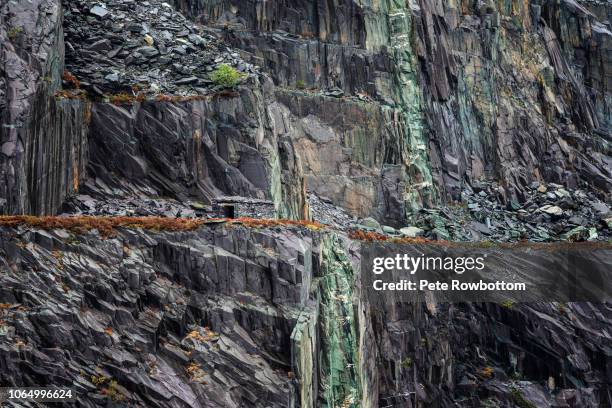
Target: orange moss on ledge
125	98
266	223
374	237
106	224
369	236
71	79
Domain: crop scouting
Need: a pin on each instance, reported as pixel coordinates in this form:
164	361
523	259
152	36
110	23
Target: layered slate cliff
43	141
382	108
269	314
467	120
509	90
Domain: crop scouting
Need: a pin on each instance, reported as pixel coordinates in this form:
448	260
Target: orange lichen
71	94
203	335
109	331
487	372
71	79
121	98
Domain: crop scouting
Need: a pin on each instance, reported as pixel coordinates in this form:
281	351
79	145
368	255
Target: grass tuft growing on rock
226	76
13	32
519	399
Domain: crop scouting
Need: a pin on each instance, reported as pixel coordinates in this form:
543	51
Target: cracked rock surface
200	319
114	46
444	120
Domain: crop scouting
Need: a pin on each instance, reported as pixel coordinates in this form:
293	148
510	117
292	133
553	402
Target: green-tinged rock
411	232
441	234
579	233
337	327
370	223
389	230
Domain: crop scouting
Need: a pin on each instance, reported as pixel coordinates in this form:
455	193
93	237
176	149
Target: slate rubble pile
133	205
127	45
83	204
324	211
549	213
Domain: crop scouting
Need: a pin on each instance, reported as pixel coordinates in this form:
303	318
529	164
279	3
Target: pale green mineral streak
389	24
303	339
339	343
407	95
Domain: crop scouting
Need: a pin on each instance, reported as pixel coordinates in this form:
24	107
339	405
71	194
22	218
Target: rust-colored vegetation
370	236
267	223
71	94
105	225
487	372
361	235
122	98
71	80
202	336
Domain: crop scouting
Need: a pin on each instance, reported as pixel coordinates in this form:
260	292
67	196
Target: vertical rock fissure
406	94
339	381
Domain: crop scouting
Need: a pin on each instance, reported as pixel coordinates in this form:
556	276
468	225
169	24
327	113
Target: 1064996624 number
37	394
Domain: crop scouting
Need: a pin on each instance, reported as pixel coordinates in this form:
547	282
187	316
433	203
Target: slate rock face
352	151
199	149
502	91
148	45
198	319
510	93
43	142
384	110
278	316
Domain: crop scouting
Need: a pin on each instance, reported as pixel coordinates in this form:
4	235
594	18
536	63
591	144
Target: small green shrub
300	84
13	32
226	76
519	400
407	363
